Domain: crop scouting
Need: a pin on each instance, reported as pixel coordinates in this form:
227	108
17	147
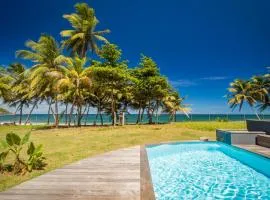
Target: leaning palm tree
240	92
83	36
19	87
48	68
75	83
261	91
173	103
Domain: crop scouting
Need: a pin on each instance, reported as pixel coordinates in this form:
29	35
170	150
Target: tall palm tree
261	91
76	82
240	92
83	36
48	68
19	87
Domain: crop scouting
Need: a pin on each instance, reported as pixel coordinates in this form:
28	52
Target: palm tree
5	81
261	91
98	98
19	87
174	103
83	36
77	83
48	68
241	91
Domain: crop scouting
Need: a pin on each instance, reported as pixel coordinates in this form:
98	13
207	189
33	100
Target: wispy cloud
214	78
194	82
183	83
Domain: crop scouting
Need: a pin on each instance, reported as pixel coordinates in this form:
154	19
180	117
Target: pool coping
253	149
147	189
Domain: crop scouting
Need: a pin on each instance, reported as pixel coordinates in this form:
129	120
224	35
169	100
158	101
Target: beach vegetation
255	92
4	111
86	72
14	144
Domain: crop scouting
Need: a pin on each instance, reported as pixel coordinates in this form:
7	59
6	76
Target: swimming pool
207	170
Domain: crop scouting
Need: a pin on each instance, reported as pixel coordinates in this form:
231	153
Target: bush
14	144
219	119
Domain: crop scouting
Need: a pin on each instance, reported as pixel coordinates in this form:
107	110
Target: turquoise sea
131	118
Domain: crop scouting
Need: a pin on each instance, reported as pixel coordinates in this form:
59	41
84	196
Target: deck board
110	176
264	151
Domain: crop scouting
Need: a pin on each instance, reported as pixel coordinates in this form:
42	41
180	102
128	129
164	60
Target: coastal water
131	118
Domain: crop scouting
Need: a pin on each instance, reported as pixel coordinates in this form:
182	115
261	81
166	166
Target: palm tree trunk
82	114
142	115
21	110
150	120
112	114
79	110
66	114
49	111
28	117
101	118
70	115
83	52
157	105
98	114
75	118
112	110
18	108
95	121
87	114
71	111
114	118
20	115
139	116
171	117
258	117
56	113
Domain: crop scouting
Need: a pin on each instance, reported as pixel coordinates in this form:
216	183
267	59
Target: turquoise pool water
207	170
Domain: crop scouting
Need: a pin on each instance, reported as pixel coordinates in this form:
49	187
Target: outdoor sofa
257	133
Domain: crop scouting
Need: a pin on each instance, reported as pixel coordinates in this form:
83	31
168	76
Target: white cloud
183	83
214	78
194	82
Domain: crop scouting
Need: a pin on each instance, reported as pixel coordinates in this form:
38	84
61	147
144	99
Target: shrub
219	119
14	144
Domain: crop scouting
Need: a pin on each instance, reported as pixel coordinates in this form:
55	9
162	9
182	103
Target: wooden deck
110	176
118	175
256	149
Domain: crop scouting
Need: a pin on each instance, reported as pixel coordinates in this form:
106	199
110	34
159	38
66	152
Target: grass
63	146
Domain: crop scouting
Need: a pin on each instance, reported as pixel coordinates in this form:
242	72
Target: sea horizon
131	118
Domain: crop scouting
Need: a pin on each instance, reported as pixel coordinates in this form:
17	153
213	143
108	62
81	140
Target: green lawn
63	146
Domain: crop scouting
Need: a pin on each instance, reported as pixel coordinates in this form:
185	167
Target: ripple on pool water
204	174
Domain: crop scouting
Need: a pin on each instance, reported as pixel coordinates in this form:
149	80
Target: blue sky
200	45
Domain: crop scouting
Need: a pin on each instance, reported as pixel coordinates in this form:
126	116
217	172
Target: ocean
131	118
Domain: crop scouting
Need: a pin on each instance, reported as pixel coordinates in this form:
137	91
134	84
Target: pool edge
147	190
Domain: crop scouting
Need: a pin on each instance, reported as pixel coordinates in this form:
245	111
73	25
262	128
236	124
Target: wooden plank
113	175
67	197
264	151
147	191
